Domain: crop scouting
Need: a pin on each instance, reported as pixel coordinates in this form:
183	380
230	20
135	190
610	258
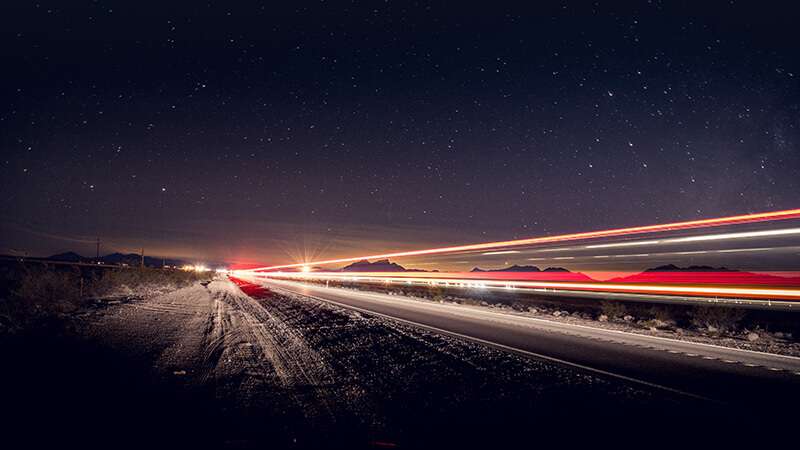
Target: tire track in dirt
298	368
319	326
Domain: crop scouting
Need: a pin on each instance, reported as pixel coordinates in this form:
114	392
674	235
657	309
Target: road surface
719	374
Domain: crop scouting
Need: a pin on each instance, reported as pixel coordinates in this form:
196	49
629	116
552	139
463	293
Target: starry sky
248	132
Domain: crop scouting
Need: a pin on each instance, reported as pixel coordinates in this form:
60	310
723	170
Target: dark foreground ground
220	366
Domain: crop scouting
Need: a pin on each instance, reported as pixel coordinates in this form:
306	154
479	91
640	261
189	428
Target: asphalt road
719	374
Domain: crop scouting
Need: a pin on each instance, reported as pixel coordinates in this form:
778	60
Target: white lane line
513	349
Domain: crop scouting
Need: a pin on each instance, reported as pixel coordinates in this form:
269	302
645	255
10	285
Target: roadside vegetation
131	281
34	294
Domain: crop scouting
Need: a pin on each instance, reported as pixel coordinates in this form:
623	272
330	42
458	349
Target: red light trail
456	280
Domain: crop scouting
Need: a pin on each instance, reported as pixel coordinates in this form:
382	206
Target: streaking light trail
624	244
660	289
693	224
694	252
670	284
706	237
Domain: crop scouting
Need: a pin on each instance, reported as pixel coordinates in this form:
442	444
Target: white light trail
642	255
702	238
742	235
736	250
504	252
623	244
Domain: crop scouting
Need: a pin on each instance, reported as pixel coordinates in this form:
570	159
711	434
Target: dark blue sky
249	132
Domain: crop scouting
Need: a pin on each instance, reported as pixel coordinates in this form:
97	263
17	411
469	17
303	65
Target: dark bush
112	280
668	314
436	293
614	310
37	293
46	291
717	317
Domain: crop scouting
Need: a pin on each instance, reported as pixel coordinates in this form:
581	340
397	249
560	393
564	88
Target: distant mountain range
517	268
671	273
381	265
131	259
674	268
533	273
384	265
662	274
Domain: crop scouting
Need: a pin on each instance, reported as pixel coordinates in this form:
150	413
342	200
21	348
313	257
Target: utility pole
97	253
142	257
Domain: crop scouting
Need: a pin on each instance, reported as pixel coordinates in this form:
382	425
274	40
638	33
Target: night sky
250	133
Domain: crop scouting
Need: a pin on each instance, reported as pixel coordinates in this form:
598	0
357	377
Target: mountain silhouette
130	259
518	268
671	273
674	268
381	265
